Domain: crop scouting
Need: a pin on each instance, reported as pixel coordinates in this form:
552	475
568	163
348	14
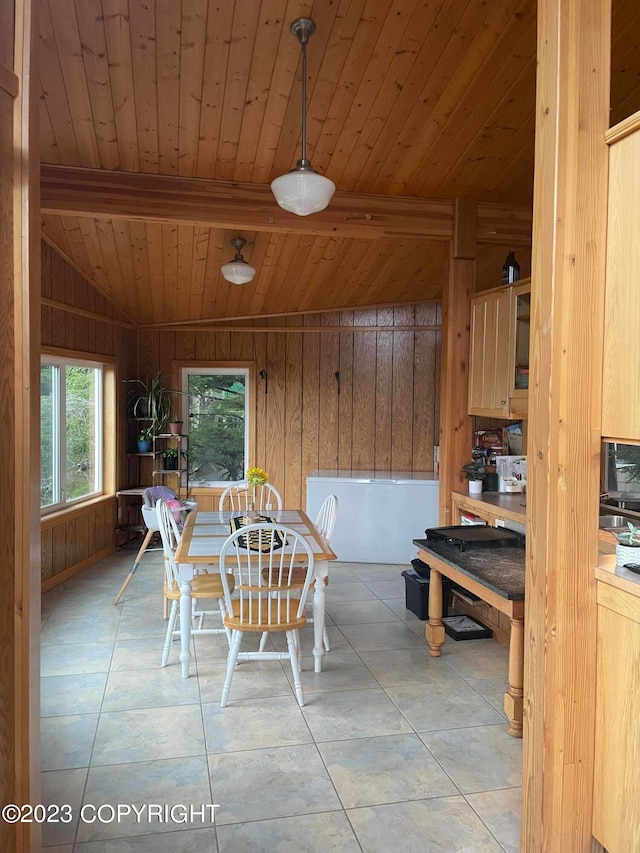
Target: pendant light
238	271
303	190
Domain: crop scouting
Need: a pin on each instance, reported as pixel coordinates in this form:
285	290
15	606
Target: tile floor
394	750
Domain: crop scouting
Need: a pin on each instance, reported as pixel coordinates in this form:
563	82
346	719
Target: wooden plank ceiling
421	99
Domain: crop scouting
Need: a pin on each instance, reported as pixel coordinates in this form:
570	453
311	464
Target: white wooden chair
205	586
237	497
326	517
269	598
325	523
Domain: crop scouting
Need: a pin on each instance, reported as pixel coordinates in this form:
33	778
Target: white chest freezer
379	513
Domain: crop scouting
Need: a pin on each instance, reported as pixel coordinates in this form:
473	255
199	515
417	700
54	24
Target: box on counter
514	438
491	442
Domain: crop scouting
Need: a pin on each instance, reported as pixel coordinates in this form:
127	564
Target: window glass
622	467
71	431
81	427
48	435
217	418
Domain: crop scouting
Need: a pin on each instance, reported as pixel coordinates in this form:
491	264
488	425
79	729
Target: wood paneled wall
75	539
380	412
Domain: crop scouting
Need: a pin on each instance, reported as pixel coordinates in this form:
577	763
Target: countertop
499	569
608	572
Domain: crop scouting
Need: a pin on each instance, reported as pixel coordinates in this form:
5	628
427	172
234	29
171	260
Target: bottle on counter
511	269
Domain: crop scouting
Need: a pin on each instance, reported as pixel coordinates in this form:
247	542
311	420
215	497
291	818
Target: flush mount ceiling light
303	190
238	271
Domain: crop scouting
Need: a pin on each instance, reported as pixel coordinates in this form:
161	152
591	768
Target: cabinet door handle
503	402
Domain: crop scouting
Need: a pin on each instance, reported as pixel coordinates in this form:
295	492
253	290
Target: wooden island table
496	575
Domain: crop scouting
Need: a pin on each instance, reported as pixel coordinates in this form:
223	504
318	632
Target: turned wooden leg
318	624
513	697
186	618
435	629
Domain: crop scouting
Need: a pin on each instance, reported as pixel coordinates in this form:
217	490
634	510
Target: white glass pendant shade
302	191
238	271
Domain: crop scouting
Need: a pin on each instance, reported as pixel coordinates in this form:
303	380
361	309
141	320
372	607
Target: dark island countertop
499	569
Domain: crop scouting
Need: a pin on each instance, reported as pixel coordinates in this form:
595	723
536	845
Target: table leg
513	697
186	618
435	628
318	622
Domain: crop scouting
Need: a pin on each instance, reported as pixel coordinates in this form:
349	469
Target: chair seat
267	614
202	586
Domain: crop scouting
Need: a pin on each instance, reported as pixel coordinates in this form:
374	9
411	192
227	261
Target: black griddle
465	536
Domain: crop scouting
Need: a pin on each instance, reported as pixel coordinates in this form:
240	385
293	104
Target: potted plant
170	459
145	437
628	547
150	400
475	472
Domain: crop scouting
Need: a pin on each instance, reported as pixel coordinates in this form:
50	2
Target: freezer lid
328	475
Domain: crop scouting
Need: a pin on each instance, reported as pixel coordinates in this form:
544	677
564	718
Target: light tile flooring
394	750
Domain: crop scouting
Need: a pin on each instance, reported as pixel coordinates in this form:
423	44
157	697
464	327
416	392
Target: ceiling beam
251	207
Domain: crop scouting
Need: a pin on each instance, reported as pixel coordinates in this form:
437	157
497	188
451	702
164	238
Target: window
621	467
217	418
71	431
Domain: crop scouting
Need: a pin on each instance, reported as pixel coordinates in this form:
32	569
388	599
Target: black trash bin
416	588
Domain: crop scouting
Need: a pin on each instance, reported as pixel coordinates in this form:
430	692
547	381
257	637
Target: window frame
180	371
105	437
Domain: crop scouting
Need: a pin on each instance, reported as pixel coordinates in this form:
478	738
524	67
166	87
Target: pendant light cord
304	101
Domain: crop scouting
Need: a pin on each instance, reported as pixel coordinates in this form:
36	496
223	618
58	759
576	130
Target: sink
612	522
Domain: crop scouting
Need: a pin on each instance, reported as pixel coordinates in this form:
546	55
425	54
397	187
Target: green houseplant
475	473
145	437
150	399
170	459
628	546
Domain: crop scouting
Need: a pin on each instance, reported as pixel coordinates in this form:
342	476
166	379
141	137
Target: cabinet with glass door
521	307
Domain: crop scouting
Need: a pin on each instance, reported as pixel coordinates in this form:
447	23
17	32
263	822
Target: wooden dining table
204	534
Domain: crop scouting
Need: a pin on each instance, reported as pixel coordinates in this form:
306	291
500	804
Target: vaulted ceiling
198	104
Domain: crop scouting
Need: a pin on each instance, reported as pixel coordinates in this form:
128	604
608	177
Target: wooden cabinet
621	356
521	319
489	365
616	801
499	352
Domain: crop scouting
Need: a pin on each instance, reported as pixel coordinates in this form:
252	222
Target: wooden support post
455	422
567	295
20	459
